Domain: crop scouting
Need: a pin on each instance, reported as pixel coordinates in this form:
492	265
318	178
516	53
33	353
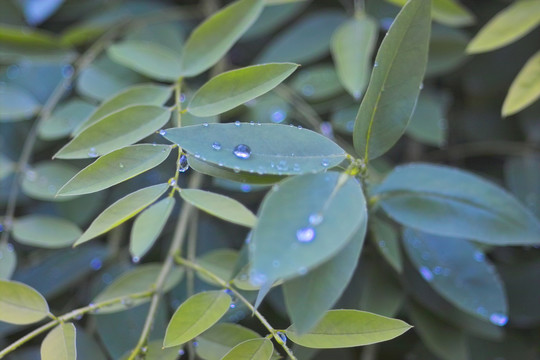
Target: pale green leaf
449	202
303	222
45	178
153	60
380	292
228	90
348	328
21	304
8	261
352	47
428	123
138	280
525	89
60	343
196	315
448	12
317	83
45	231
145	94
65	119
273	18
217	34
395	81
16	103
122	210
220	339
7	166
386	240
221	262
115	167
115	131
221	206
507	26
253	349
149	225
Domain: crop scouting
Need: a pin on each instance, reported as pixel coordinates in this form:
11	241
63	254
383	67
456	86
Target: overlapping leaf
45	231
21	304
59	344
525	89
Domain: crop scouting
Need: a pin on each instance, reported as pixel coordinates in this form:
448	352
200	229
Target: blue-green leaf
16	103
45	231
8	261
59	344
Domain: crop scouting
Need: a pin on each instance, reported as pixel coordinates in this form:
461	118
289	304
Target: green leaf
122	210
145	94
65	119
20	35
230	89
317	83
507	26
140	279
273	18
428	124
386	240
221	206
115	167
221	262
272	149
380	292
45	178
217	34
45	231
8	261
220	339
446	49
448	12
460	273
523	178
20	304
395	81
324	285
7	167
196	315
150	59
115	131
352	48
59	344
525	88
304	42
449	202
253	349
149	225
16	103
303	222
348	328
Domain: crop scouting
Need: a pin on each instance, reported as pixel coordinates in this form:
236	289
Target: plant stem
69	316
190	276
174	249
189	264
178	101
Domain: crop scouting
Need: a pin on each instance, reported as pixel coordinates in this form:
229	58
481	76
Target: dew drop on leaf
92	152
305	235
282	336
498	319
183	164
216	145
96	264
325	162
315	219
135	259
162	132
171	182
242	151
237	123
426	273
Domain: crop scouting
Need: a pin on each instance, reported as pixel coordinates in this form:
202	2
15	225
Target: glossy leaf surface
59	344
386	239
221	338
21	304
525	89
45	231
253	349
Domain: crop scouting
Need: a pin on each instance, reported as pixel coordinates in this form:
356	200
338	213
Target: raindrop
237	123
96	264
482	311
376	64
216	145
67	71
245	188
181	352
278	116
305	235
498	319
144	350
121	165
92	307
162	132
302	270
326	129
31	175
382	243
325	162
299	127
282	336
205	124
228	292
242	151
183	164
421	86
252	123
257	278
197	155
275	187
437	270
10	247
282	165
479	256
296	167
182	97
195	344
78	317
426	273
315	219
92	152
236	169
135	259
172	182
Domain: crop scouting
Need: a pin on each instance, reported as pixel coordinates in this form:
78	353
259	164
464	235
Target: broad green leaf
395	81
27	36
446	49
115	167
253	349
45	178
343	119
45	231
525	89
305	41
196	315
523	178
221	206
65	119
140	279
7	167
352	47
145	94
448	12
20	304
115	131
449	202
214	343
303	222
273	18
323	286
460	273
507	26
149	225
381	292
153	60
122	210
8	261
271	149
59	344
269	108
386	240
169	34
317	83
217	34
221	262
428	123
348	328
16	103
228	90
443	339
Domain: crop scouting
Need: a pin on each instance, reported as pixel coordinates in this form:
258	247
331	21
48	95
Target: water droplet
326	129
421	86
236	169
135	259
282	336
78	317
172	182
127	302
92	152
305	235
162	132
30	175
121	165
325	162
482	311
498	319
282	165
181	352
425	255
232	306
195	344
216	145
196	155
182	97
315	219
426	273
437	270
275	187
106	278
12	72
96	264
67	71
245	188
92	307
10	247
183	164
479	256
252	123
302	270
237	123
381	243
242	151
308	90
376	64
257	278
205	124
278	116
144	349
